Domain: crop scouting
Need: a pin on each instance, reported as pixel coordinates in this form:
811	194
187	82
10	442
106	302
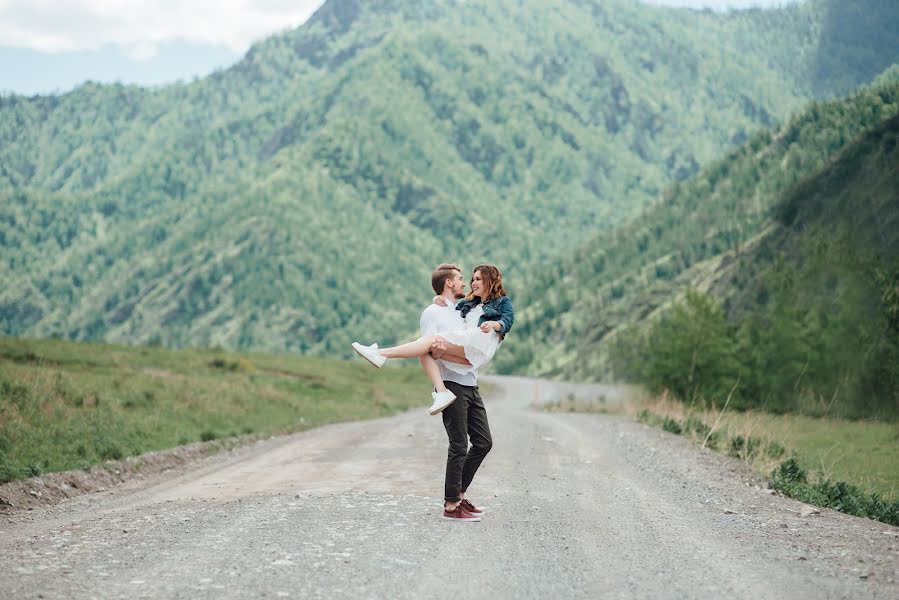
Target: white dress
479	346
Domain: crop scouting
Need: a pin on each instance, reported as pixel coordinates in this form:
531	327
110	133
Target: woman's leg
419	347
456	354
433	371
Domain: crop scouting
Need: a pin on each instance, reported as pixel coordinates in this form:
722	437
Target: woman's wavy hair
493	282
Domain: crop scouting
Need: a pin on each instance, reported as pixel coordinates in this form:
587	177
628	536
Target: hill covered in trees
299	199
806	317
698	227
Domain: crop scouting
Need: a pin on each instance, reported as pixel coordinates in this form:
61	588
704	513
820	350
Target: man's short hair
441	274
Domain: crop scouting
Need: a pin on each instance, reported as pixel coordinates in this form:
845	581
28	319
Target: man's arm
429	326
440	349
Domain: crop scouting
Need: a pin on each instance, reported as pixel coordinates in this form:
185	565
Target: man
466	418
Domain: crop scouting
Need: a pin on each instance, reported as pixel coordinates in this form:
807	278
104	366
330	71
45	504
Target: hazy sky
53	45
721	4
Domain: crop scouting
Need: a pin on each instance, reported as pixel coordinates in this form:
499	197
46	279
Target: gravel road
578	506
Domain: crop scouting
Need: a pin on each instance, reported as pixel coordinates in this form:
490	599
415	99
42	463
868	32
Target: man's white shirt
435	319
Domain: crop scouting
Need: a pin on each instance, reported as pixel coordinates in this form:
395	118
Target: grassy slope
66	405
371	141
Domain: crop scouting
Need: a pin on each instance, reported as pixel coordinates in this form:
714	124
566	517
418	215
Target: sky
51	46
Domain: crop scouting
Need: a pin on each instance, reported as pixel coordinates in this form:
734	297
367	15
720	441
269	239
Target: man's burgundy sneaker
460	514
471	508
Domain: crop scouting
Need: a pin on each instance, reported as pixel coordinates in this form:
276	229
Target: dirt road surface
578	506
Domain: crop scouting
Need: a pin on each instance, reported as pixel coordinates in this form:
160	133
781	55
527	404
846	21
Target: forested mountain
581	312
299	199
806	316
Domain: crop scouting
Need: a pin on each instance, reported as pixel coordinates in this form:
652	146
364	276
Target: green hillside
298	199
697	228
818	295
810	317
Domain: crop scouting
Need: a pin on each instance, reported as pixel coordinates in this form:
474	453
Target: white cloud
139	26
141	50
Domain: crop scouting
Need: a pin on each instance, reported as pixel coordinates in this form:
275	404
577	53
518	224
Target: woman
488	315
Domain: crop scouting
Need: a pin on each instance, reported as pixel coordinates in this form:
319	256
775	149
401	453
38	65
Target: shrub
110	451
775	450
8	471
689	351
671	425
741	447
789	472
792	480
697	426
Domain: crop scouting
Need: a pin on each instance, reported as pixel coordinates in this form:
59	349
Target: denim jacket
498	309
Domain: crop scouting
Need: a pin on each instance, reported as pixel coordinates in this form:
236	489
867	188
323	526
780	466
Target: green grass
66	405
863	453
850	466
791	479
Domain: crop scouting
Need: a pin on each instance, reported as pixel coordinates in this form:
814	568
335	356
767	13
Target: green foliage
775	450
671	426
299	198
744	447
801	309
789	472
693	233
689	351
792	480
697	426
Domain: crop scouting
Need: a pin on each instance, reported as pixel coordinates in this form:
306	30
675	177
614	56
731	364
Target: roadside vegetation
848	465
68	405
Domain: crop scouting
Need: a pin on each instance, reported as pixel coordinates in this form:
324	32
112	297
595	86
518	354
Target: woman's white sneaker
441	401
370	353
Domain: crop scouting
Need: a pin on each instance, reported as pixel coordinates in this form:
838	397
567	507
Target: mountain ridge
466	146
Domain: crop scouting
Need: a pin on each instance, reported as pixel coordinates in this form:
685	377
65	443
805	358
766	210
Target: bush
792	480
690	351
775	450
789	472
110	451
8	471
671	425
241	365
741	447
713	439
697	426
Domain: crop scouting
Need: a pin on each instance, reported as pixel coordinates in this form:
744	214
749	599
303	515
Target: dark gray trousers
465	419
